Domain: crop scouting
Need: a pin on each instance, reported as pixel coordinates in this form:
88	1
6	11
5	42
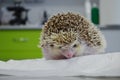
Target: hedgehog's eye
60	47
75	45
51	45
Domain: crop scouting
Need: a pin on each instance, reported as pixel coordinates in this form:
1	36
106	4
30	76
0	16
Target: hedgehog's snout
68	53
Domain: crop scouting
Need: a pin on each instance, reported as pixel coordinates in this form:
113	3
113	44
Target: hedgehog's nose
68	54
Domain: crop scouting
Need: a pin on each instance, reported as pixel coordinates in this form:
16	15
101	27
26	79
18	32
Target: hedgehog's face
66	50
62	45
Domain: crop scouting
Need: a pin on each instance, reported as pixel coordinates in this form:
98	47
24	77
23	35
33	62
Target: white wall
53	7
36	12
113	40
110	12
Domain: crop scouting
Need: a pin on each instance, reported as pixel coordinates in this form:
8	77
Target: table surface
7	77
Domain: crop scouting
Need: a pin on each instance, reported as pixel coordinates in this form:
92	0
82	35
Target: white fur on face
57	51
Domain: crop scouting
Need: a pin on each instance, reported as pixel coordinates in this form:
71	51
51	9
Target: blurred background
21	22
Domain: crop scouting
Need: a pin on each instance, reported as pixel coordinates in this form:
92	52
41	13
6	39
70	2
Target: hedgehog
68	35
